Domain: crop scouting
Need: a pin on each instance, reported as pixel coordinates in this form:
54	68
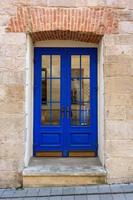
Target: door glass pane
75	91
55	65
85	65
56	90
75	66
85	90
80	89
55	113
85	114
46	64
45	90
75	110
50	89
45	114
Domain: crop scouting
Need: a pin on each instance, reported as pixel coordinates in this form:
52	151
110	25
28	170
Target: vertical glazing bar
80	90
50	89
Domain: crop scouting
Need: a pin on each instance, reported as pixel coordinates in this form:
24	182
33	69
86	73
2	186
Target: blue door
65	101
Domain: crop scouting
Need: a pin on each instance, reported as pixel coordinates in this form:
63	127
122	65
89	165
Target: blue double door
65	101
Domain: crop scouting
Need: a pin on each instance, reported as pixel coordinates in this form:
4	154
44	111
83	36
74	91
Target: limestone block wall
12	99
118	71
12	114
118	94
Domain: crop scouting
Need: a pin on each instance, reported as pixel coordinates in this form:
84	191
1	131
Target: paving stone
44	191
68	190
14	199
106	197
93	197
1	191
71	197
20	193
8	193
118	197
127	187
92	189
129	196
56	191
103	189
81	190
80	197
55	198
116	188
32	192
41	198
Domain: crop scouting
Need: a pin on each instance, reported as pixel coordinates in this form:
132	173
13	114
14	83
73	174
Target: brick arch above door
80	24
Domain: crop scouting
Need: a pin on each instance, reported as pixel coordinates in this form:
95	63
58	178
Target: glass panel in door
80	90
50	107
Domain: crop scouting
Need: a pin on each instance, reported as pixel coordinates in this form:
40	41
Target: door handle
62	112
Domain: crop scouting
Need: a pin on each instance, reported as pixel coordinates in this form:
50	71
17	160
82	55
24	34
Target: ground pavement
100	192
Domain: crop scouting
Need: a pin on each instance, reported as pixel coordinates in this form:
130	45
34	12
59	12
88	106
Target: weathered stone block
76	3
118	39
117	99
10	165
119	50
129	113
12	107
123	58
4	20
117	3
13	38
119	148
12	149
130	4
125	172
10	179
12	77
123	68
12	63
126	15
11	92
118	85
126	27
115	112
12	127
67	3
119	130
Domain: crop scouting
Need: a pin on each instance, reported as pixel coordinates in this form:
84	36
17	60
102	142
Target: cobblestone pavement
97	192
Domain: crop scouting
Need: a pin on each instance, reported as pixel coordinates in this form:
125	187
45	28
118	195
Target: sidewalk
98	192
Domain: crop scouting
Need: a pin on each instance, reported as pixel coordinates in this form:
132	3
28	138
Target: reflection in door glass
46	64
85	66
45	114
85	114
56	90
80	90
50	90
55	113
55	66
85	90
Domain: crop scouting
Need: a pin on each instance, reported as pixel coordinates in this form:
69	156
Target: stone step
63	172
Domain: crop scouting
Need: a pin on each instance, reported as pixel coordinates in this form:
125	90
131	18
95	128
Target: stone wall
118	73
12	114
118	70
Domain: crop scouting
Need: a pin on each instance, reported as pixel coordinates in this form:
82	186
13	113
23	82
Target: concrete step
63	172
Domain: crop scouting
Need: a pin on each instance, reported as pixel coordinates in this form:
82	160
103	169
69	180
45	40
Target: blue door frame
65	137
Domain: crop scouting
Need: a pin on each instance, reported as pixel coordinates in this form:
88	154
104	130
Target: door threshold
63	172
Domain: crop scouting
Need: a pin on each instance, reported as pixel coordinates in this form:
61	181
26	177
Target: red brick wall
82	24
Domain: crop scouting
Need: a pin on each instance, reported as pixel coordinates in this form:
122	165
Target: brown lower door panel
70	154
